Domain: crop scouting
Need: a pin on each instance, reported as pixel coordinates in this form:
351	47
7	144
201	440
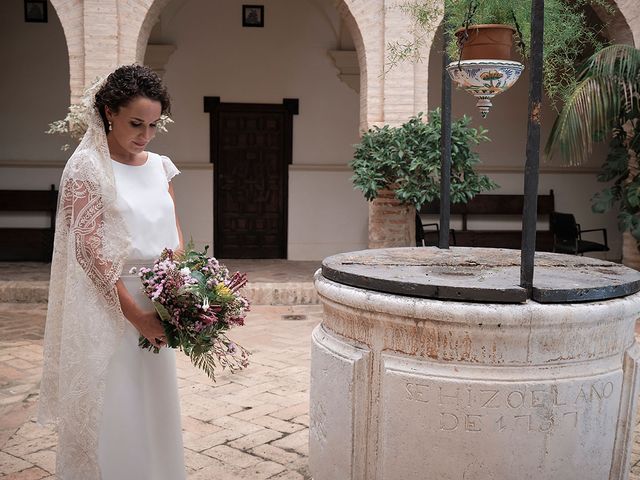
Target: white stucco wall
216	56
288	58
34	85
326	214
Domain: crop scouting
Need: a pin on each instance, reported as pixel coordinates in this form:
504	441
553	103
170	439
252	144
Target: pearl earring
110	126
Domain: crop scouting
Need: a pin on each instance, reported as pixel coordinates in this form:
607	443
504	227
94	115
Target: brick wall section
421	75
399	81
100	38
136	19
368	21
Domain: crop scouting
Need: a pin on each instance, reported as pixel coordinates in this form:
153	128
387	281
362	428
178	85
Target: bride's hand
150	327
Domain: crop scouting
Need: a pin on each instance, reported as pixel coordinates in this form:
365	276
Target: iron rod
445	144
530	211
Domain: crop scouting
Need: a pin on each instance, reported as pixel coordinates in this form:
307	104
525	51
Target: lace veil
84	319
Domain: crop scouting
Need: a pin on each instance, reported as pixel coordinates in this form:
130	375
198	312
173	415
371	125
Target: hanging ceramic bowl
484	79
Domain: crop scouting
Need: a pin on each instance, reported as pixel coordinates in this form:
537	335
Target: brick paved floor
251	425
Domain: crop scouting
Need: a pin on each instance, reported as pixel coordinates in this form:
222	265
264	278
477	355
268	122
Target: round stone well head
436	361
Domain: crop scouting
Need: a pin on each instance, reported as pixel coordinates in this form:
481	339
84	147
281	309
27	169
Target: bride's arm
145	321
83	211
180	238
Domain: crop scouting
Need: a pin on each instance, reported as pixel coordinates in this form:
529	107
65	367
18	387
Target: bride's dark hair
127	83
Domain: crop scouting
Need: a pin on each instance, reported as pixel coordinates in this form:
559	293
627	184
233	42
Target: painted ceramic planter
484	79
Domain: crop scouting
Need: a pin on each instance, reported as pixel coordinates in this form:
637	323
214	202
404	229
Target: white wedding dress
140	435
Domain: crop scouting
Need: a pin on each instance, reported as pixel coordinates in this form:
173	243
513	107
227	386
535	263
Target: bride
114	404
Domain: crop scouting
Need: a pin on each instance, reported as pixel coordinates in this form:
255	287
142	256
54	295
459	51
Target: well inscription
539	408
457	413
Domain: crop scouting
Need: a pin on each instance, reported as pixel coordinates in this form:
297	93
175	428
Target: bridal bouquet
197	301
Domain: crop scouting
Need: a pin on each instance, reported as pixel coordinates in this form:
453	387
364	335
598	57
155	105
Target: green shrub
407	159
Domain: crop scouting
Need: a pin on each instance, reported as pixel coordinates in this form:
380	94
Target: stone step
24	291
280	293
258	293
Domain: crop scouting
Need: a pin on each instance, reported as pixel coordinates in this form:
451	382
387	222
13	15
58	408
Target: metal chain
468	18
521	43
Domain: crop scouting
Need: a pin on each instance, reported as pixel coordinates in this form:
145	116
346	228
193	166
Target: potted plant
478	41
566	33
605	100
401	165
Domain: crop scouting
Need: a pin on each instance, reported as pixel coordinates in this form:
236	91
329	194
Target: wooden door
251	151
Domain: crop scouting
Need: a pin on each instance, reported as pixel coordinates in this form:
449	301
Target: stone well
432	364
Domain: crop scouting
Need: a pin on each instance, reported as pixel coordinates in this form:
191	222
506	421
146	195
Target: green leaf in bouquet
205	361
187	289
163	313
199	276
173	336
217	351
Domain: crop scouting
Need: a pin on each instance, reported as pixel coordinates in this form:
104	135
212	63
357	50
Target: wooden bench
28	244
496	206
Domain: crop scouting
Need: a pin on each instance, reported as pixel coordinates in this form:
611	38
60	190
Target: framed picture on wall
253	15
35	11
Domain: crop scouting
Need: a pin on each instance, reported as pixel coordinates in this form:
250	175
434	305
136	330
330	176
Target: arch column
136	36
387	95
404	84
91	31
100	38
71	15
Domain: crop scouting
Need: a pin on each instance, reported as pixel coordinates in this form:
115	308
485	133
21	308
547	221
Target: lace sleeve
169	168
84	215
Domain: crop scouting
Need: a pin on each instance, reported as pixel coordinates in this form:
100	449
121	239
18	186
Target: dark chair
567	236
421	238
419	231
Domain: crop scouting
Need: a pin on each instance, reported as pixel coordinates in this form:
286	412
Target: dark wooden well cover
480	275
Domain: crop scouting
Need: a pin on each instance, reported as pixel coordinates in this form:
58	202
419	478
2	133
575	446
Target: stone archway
102	35
355	13
630	13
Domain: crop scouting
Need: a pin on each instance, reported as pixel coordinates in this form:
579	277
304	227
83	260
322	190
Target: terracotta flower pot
391	222
488	41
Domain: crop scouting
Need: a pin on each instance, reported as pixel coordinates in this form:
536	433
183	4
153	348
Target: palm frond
608	84
589	110
622	61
